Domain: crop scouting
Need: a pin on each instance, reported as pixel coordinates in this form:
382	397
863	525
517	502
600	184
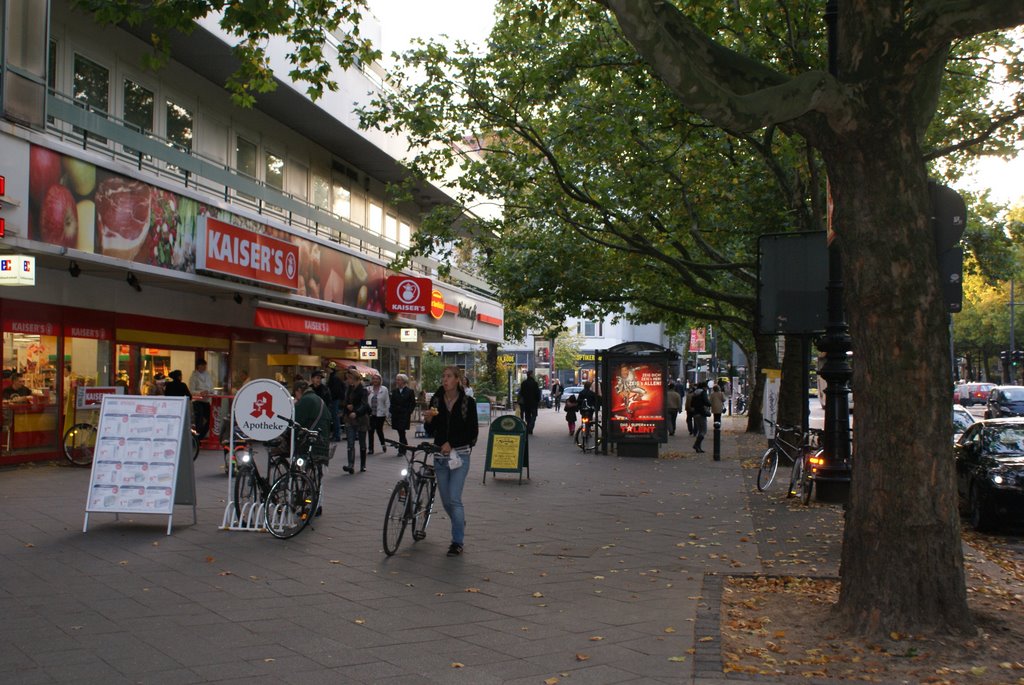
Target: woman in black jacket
451	419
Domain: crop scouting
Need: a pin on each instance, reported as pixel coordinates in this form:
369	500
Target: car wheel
982	515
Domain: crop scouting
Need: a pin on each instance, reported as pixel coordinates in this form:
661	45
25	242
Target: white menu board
142	449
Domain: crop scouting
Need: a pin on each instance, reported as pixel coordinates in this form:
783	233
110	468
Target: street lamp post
833	478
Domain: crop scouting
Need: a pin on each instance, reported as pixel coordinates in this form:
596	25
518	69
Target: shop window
29	395
139	108
273	167
180	126
86	364
376	219
91	87
321	189
341	200
391	228
245	157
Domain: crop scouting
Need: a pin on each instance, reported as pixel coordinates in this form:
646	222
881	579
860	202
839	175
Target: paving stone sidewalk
592	571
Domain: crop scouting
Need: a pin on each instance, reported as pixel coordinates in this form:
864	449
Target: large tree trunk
902	563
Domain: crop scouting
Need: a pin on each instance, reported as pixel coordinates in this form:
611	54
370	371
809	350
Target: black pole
833	478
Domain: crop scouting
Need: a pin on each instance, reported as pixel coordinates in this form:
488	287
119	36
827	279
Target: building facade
166	225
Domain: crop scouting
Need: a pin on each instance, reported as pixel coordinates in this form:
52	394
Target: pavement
597	569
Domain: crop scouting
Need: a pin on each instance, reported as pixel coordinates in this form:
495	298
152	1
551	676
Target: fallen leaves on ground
781	626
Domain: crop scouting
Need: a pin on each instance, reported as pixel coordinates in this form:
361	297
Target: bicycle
294	498
588	435
794	453
412	498
80	444
801	480
251	488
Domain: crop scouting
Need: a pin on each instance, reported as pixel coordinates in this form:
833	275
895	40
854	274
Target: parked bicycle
80	444
588	434
412	498
294	498
251	487
797	454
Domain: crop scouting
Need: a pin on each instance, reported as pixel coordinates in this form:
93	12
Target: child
570	413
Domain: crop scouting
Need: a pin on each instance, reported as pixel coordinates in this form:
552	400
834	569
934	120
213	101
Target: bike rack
250	517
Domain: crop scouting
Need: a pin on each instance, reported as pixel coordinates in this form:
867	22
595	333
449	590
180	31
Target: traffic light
1018	357
1004	357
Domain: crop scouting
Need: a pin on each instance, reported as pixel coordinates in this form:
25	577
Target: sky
471	21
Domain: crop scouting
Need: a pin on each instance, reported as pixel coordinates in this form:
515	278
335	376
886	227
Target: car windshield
1013	395
1004	440
961	420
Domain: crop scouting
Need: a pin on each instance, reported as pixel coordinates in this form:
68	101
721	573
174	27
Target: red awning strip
308	324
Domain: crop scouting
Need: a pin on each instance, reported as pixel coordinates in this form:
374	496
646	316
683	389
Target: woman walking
380	407
451	419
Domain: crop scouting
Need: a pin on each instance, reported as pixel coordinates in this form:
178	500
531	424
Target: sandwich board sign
142	462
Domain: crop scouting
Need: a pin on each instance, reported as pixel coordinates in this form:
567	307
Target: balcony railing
75	123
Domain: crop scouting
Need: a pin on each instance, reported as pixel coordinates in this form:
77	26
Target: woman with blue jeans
451	419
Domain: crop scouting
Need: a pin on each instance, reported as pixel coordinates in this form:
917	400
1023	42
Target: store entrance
29	396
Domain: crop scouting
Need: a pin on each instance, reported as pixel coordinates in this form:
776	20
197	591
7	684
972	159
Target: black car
990	471
1005	400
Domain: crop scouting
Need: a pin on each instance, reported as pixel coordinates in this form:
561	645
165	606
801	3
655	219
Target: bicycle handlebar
428	447
296	424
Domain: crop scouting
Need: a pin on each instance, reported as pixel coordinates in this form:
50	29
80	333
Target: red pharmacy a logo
264	404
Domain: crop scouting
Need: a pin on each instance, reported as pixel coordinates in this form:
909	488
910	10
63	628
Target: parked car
962	420
571	390
1005	400
990	471
972	393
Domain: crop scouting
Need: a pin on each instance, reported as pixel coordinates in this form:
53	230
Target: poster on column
770	408
141	464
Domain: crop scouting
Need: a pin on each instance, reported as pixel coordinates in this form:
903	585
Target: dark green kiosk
508	447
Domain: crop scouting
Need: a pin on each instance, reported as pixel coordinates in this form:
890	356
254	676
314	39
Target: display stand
508	448
143	458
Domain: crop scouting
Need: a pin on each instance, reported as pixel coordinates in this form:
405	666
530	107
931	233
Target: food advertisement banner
75	204
637	409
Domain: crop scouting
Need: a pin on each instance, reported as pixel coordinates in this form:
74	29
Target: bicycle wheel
395	519
796	476
577	437
245	488
195	445
807	484
80	443
767	468
425	491
291	505
586	439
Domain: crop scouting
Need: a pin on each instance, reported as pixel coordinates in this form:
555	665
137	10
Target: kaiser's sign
408	295
227	249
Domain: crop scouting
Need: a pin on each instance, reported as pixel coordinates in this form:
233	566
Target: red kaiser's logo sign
226	249
408	295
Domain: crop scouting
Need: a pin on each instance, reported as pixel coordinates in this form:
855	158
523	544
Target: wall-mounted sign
407	295
17	270
436	304
368	349
409	334
226	249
